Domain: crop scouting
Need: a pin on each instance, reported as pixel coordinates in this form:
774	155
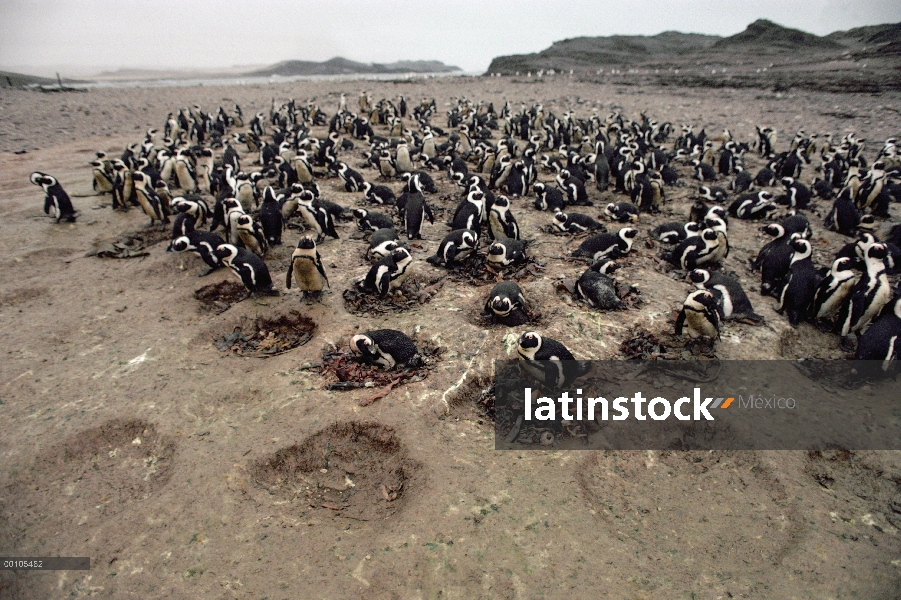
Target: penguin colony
231	207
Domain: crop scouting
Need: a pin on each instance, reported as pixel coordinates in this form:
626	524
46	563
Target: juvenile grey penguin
306	269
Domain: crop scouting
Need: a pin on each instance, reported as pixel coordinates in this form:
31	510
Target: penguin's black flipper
321	269
428	212
680	322
290	273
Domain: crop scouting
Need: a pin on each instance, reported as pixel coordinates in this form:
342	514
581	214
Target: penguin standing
102	183
501	222
869	295
800	285
148	199
271	218
248	267
55	197
184	172
415	212
387	348
733	301
844	217
251	234
507	304
402	162
597	288
201	243
469	213
699	316
318	218
833	290
386	165
306	269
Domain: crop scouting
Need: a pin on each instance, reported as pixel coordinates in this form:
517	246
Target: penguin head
610	209
497	249
801	247
628	233
529	344
699	276
867	221
692	228
306	196
38	178
709	235
476	196
605	267
244	221
788	181
501	305
360	213
161	185
560	217
716	211
139	178
226	252
773	229
876	252
469	238
715	223
306	243
842	264
539	188
401	256
701	299
179	244
363	345
502	202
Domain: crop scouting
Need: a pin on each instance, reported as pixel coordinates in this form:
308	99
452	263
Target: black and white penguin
869	295
382	243
558	366
574	188
201	243
248	267
195	206
505	252
387	166
386	348
753	206
416	210
780	238
501	222
774	267
882	340
622	212
389	273
469	213
734	302
742	182
699	316
148	199
251	234
271	218
103	181
370	220
675	232
378	194
55	197
703	171
353	181
549	197
507	304
796	222
714	194
576	223
797	195
844	217
833	290
607	246
597	288
306	269
456	247
800	285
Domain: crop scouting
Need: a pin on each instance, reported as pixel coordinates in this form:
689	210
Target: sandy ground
127	436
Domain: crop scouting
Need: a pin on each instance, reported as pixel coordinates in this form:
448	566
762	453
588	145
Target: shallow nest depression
219	297
475	271
357	470
474	399
264	337
346	372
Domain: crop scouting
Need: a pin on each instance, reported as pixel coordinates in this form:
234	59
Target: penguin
869	295
558	366
574	188
317	217
622	212
370	220
698	211
507	305
715	194
604	246
382	243
766	176
302	167
780	238
248	267
501	222
597	288
843	218
752	206
505	252
148	199
402	161
184	224
378	194
271	218
797	195
184	172
796	222
575	223
800	285
833	290
456	247
699	316
196	207
201	243
703	171
742	182
353	181
386	165
386	348
389	273
55	197
102	182
415	211
882	340
251	234
733	301
675	232
696	250
774	267
306	269
469	212
549	198
246	191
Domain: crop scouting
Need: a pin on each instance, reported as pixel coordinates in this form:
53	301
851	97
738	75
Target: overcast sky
81	37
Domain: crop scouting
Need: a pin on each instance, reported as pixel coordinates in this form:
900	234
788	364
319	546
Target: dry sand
128	437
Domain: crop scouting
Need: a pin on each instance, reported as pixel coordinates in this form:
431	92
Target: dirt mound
357	470
219	297
265	337
108	466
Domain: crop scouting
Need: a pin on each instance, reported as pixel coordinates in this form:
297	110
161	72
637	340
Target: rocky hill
343	66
